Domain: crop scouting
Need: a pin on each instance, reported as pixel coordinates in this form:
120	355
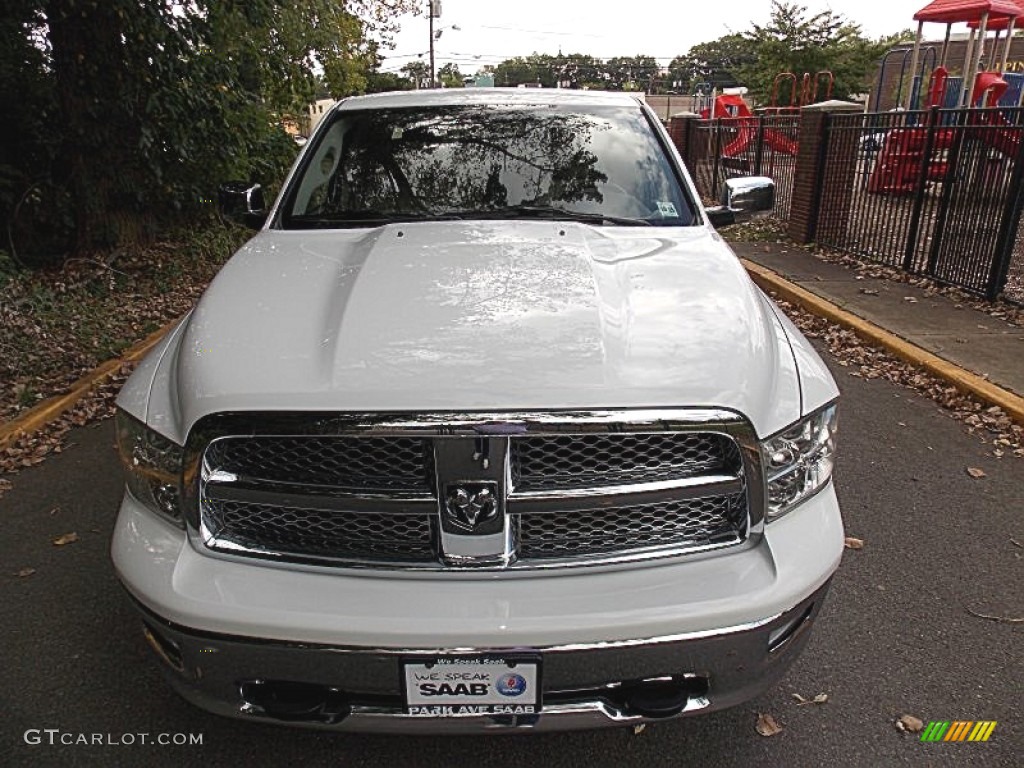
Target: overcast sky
492	30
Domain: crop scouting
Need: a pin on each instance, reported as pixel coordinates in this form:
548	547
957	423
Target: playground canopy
955	11
984	13
995	24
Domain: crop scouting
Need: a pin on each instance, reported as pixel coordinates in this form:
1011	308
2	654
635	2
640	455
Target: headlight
799	460
152	466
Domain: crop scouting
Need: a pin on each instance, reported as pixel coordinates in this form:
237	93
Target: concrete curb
964	380
50	409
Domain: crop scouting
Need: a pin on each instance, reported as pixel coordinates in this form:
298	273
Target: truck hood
459	316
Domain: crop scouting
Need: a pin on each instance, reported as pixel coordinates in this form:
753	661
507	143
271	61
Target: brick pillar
680	131
824	176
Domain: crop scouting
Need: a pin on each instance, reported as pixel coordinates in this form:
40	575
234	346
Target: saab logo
511	684
468	505
958	730
459	689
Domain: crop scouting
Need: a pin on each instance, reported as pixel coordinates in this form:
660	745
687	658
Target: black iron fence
762	145
937	193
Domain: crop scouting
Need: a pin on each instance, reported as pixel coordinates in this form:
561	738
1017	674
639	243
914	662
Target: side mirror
243	202
743	199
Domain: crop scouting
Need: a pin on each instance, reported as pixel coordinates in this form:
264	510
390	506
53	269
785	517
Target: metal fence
763	145
937	193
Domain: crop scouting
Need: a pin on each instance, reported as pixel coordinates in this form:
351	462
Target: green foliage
379	82
631	73
417	74
121	117
534	69
712	65
450	76
794	41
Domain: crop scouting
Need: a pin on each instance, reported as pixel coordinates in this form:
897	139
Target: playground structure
907	153
733	108
807	94
750	129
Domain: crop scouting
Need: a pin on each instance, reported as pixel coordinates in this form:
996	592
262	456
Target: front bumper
585	685
323	648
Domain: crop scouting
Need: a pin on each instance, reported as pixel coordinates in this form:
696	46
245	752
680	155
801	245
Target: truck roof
460	96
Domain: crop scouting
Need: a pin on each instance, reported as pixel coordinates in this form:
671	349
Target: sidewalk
966	337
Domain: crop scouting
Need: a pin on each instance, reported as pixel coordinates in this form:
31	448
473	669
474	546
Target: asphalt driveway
895	636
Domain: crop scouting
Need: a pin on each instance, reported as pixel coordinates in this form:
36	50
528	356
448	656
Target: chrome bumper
584	685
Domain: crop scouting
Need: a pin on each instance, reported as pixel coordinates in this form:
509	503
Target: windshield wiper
550	212
363	216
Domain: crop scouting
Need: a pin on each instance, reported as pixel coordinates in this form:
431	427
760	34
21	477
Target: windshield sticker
667	209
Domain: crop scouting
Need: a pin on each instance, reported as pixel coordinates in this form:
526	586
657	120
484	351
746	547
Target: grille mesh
316	466
321	533
693	522
352	463
588	461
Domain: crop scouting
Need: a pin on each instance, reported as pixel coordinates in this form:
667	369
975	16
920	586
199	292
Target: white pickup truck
486	429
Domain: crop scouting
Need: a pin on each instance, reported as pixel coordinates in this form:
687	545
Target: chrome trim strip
624	495
326	499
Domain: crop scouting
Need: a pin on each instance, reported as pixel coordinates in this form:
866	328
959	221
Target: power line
541	31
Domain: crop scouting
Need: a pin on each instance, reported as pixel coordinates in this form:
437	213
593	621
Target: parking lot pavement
895	636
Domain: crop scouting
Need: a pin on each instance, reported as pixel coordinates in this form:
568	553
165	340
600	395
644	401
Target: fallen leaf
990	617
638	729
26	572
821	698
869	291
976	472
910	299
851	543
767	725
67	538
909	724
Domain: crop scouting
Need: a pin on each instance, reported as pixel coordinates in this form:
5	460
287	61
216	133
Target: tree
158	101
715	64
536	68
379	82
450	76
793	41
578	70
417	73
631	73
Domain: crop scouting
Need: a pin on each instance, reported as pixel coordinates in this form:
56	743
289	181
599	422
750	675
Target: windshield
604	165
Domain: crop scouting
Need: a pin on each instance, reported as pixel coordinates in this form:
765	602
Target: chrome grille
571	462
618	487
704	522
322	533
350	463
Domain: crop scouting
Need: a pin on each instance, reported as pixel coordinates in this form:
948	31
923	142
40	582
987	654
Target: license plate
462	686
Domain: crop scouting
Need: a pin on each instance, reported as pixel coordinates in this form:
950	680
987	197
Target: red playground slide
1002	140
735	108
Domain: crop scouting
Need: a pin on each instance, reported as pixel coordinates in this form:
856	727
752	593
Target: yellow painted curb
38	417
964	380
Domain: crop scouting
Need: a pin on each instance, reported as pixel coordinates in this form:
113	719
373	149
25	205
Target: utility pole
430	14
